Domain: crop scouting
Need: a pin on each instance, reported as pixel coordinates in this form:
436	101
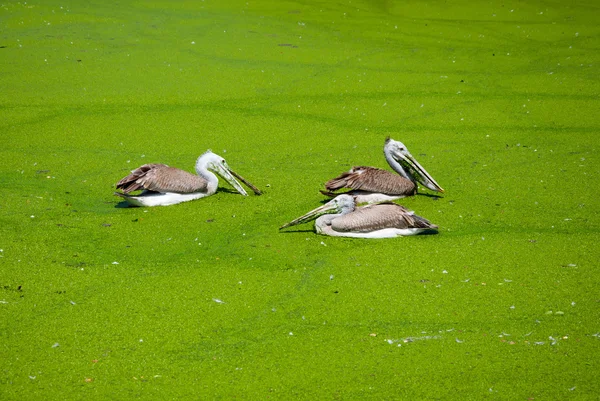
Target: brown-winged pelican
162	185
382	220
373	185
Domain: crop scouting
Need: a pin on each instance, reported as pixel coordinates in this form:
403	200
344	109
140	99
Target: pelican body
162	185
383	220
372	185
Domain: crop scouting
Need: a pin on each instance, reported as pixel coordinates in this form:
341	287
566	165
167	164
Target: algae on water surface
208	299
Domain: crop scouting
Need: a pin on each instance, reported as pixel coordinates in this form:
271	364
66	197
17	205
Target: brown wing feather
162	178
380	216
372	179
130	183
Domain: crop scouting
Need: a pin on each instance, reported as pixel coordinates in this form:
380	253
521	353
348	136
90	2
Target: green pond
498	100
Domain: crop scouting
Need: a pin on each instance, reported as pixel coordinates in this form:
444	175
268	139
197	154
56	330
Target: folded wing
162	178
378	217
372	179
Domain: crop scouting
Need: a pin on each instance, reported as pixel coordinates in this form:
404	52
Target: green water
207	299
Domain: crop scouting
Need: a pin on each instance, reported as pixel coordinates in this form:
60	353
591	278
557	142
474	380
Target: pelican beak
224	171
248	183
313	214
416	170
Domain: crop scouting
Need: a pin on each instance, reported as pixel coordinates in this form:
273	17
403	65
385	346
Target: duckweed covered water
207	300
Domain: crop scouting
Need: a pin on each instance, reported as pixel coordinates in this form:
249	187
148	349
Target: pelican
382	220
373	185
162	185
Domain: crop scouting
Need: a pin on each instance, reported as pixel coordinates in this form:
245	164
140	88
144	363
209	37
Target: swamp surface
498	100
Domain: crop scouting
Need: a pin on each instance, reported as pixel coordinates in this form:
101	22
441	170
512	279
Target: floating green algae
207	299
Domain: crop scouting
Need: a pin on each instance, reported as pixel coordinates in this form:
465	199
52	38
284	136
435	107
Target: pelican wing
372	179
162	178
380	216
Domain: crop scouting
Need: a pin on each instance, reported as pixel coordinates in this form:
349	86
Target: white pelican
162	185
373	185
382	220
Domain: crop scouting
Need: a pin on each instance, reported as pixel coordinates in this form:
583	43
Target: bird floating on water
382	220
373	185
162	185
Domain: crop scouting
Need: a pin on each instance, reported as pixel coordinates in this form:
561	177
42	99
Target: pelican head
400	159
342	204
210	161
